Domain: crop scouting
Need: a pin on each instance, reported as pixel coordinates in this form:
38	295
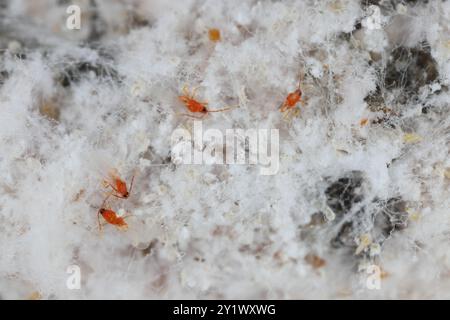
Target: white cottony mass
323	174
242	147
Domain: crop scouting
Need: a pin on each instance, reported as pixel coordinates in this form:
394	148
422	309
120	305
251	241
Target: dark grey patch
354	218
375	100
380	224
317	219
366	3
64	2
426	109
412	1
394	216
409	69
344	193
97	24
344	237
150	248
392	4
341	196
135	20
76	71
3	76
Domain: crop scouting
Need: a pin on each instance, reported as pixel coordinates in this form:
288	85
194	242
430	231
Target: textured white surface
221	231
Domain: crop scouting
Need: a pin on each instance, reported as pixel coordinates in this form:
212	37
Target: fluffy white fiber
349	193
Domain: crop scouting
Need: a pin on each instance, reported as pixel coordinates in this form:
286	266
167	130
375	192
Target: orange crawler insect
196	106
288	107
291	100
119	186
111	217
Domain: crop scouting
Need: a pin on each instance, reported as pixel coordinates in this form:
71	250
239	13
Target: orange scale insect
196	106
119	186
291	100
193	105
288	107
111	217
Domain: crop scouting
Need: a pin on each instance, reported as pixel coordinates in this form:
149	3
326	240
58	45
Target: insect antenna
224	109
131	183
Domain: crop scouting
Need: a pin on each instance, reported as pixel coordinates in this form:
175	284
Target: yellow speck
414	216
411	138
336	6
35	296
384	274
447	44
315	261
364	241
363	122
49	109
447	173
214	35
